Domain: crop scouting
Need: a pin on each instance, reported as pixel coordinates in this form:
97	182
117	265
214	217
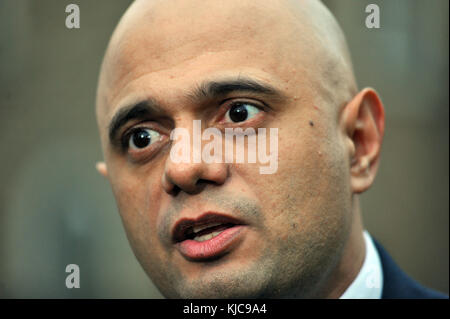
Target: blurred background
56	210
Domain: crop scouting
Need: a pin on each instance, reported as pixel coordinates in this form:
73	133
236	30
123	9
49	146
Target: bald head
297	37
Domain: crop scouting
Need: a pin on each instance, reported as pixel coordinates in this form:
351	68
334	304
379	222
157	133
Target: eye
142	137
241	111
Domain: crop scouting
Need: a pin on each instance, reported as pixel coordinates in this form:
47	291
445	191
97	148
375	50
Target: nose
192	177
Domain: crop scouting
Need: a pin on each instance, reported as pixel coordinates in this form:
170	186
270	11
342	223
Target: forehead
173	44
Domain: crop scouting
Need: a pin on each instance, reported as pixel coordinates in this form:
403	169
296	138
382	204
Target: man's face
285	231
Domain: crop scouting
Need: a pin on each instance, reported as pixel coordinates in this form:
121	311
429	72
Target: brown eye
241	111
143	137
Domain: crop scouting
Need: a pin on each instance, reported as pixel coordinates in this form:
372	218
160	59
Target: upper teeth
207	236
197	229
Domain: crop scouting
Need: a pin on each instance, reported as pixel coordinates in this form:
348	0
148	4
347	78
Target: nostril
175	190
202	183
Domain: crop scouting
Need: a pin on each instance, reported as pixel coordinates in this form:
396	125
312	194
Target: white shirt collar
369	282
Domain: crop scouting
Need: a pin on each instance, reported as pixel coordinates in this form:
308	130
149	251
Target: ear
363	122
102	169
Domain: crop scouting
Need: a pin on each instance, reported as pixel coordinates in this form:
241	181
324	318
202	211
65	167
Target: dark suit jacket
396	284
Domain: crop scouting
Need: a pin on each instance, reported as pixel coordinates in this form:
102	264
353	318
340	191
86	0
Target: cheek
136	204
319	187
310	188
129	193
134	190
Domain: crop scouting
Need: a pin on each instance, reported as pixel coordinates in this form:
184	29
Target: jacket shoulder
398	285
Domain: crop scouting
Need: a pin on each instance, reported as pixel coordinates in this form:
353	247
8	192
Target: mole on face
311	123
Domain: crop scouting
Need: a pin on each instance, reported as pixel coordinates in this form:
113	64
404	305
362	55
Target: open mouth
209	236
206	232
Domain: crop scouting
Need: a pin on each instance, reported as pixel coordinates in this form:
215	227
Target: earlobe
102	169
363	119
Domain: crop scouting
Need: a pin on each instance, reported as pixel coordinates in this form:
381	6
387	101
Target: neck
351	260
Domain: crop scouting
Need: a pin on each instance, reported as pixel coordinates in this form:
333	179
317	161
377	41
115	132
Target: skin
303	237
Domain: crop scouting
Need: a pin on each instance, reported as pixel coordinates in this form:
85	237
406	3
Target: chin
219	286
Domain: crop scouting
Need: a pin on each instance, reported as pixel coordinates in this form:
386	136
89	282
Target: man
221	229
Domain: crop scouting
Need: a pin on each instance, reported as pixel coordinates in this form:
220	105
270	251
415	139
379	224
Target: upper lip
184	226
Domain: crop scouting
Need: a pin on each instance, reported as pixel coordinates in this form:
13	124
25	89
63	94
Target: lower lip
211	248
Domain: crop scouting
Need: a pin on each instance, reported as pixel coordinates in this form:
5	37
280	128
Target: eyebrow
141	110
205	91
